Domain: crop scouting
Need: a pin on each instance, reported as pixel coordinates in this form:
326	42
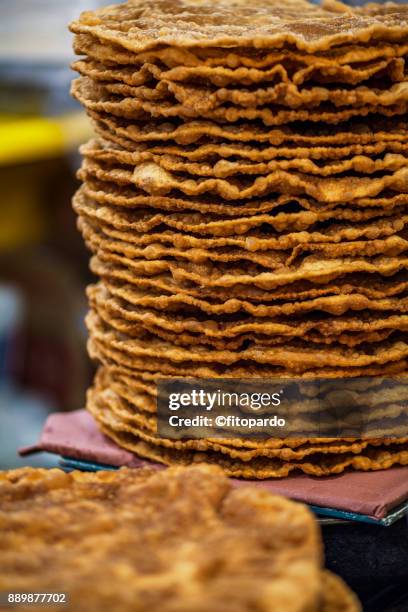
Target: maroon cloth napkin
75	434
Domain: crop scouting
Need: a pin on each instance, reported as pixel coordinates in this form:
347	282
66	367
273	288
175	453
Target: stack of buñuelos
245	200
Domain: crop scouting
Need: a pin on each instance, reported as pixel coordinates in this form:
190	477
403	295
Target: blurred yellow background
43	263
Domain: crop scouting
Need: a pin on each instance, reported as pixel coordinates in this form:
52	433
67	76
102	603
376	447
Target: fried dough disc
147	329
139	228
270	260
133	378
144	331
148	425
203	99
357	385
265	24
102	192
102	151
376	458
150	369
129	400
95	97
381	403
154	180
322	71
159	367
392	245
164	284
314	217
352	56
126	387
285	95
186	339
333	304
367	322
100	219
243	151
242	546
145	427
131	383
296	359
139	408
285	92
351	340
353	133
312	268
143	396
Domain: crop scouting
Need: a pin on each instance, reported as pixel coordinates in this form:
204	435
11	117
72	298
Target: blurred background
43	263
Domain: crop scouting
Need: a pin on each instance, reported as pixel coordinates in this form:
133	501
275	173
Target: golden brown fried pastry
139	26
264	464
180	539
245	201
356	133
98	98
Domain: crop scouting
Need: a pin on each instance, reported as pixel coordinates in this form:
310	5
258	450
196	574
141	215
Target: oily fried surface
133	411
99	188
315	268
153	179
206	97
307	362
347	62
131	140
96	97
274	254
353	133
289	69
180	539
354	292
245	202
291	356
252	233
102	150
142	394
378	457
225	333
139	26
